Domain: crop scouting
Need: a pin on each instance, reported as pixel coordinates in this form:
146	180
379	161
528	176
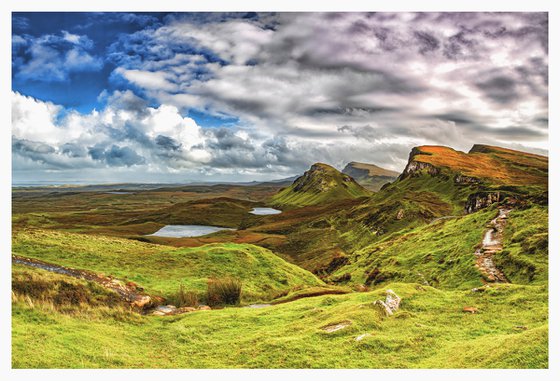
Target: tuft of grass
223	291
184	298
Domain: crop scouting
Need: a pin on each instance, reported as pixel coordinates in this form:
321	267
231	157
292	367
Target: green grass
525	255
430	330
321	184
440	254
162	269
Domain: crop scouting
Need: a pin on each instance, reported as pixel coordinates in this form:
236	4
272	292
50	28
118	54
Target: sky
180	97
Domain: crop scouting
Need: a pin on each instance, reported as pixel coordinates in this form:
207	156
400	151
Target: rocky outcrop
466	180
414	168
391	304
481	200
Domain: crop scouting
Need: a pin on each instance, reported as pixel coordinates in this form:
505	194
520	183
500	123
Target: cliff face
481	200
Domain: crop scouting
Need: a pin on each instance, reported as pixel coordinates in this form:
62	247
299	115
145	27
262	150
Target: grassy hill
429	331
441	254
162	269
320	184
370	176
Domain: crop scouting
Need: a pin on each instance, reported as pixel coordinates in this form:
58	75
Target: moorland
443	265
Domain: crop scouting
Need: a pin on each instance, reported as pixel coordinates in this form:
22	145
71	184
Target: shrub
184	298
223	291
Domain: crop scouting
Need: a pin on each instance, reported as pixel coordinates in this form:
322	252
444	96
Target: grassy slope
442	253
430	330
161	269
525	255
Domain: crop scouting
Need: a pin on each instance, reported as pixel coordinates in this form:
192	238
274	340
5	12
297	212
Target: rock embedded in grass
391	304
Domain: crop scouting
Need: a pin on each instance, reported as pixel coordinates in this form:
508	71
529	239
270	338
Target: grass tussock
223	291
184	298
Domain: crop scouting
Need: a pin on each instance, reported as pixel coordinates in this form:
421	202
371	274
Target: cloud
52	58
300	88
116	156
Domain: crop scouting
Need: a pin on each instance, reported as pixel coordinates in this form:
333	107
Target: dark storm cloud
225	139
115	156
500	89
73	150
167	143
426	42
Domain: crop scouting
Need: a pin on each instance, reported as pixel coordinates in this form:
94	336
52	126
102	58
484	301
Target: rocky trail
492	243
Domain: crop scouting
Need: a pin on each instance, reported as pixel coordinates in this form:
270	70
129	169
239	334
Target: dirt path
492	243
130	292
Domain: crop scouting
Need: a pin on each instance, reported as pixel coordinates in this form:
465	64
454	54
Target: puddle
180	231
265	211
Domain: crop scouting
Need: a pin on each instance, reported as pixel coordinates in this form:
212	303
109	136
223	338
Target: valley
461	238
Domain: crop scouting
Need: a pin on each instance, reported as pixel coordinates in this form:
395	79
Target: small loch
181	231
265	211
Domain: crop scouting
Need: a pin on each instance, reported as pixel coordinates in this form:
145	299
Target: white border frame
8	6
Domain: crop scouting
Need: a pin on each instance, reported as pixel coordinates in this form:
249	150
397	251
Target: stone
204	308
336	327
363	336
472	310
166	309
391	304
182	310
141	301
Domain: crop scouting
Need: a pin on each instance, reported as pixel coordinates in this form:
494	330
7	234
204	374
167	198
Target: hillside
369	176
429	331
437	182
482	164
162	269
320	184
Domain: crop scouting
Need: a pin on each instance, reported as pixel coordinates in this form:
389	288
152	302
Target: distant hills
321	183
370	176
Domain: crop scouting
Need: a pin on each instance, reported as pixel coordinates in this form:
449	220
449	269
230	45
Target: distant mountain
369	176
321	183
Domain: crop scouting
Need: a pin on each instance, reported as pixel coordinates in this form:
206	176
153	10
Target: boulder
166	309
204	308
391	304
141	301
